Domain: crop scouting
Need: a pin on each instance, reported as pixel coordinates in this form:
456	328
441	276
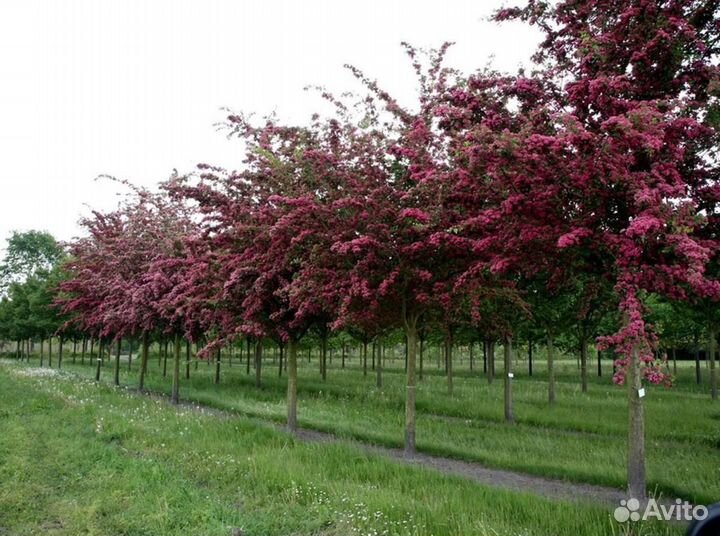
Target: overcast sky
133	88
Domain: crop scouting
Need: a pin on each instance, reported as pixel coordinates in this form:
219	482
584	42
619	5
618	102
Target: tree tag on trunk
641	392
511	375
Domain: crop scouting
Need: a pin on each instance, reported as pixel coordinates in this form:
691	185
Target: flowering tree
107	291
630	127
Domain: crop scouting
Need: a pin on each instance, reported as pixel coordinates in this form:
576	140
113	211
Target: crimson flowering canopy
114	286
627	147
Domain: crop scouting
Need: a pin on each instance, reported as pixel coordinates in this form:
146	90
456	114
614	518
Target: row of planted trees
497	203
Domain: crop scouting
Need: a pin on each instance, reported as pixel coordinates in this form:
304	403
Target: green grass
78	458
582	438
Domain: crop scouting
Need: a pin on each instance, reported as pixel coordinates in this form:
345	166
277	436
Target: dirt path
499	478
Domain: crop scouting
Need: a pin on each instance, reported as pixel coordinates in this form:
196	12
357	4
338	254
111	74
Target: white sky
132	88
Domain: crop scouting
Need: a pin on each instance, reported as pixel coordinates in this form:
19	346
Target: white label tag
511	375
641	392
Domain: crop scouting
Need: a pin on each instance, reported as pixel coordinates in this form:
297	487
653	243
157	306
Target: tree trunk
711	356
448	363
411	340
485	352
674	358
187	359
175	397
507	351
74	351
83	349
292	385
491	362
636	430
50	352
365	345
218	358
280	363
97	369
344	350
258	363
472	344
116	377
247	364
130	355
698	378
583	364
60	352
42	356
422	352
144	359
165	352
530	357
551	369
323	358
378	366
599	360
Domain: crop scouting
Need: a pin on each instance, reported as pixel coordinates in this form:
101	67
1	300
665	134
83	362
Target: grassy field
581	439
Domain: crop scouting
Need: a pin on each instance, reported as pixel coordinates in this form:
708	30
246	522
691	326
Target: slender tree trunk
42	356
411	340
406	355
378	367
175	397
674	358
280	365
165	357
344	350
711	356
365	345
258	363
187	359
507	351
599	360
247	363
292	385
144	360
636	429
583	364
551	369
74	350
472	344
372	352
323	358
698	378
422	353
50	352
116	377
83	349
98	365
130	350
448	363
530	357
491	362
218	358
485	353
60	352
